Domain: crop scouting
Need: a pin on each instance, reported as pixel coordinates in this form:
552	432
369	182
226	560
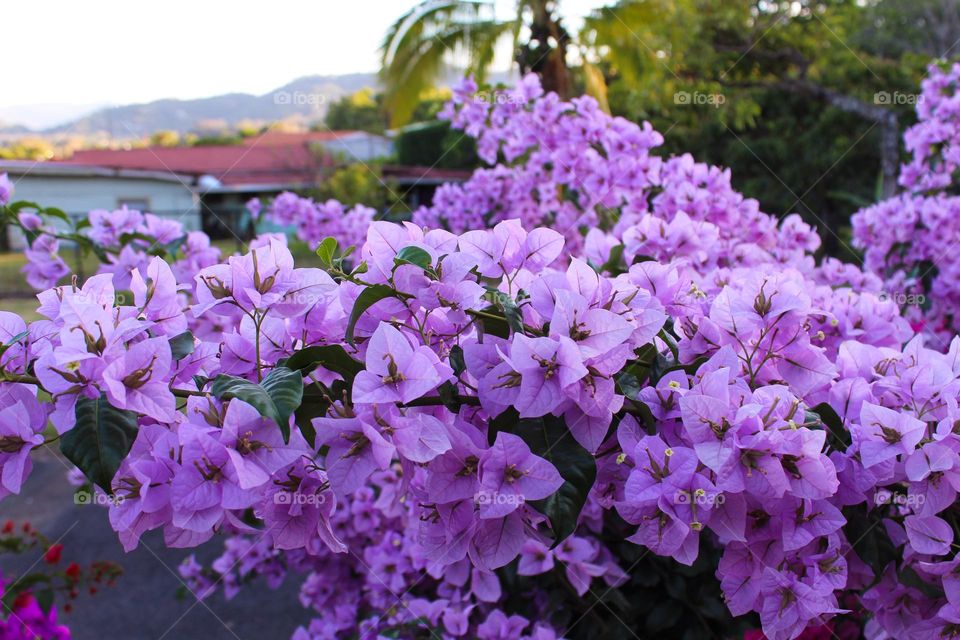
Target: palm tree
418	45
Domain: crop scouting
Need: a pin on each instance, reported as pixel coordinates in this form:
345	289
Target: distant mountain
305	99
12	129
36	117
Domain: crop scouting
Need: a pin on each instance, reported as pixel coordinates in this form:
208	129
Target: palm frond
418	44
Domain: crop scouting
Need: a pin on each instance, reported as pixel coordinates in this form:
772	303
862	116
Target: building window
139	204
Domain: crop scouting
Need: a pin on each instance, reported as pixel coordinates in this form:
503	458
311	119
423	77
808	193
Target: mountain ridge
303	99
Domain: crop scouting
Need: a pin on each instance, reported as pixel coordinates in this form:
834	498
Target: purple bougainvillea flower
510	474
22	420
137	380
884	434
396	371
929	534
6	189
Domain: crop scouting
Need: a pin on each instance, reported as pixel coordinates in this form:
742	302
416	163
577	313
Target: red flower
73	571
52	556
8	526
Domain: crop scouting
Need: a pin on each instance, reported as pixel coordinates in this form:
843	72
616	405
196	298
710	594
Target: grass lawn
17	296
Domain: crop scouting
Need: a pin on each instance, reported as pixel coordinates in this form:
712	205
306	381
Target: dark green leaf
56	213
457	362
182	345
100	440
331	357
828	417
550	438
367	298
449	396
315	403
276	397
493	322
614	264
44	599
415	256
513	315
20	205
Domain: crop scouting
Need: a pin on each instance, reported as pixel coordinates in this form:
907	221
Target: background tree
788	94
421	44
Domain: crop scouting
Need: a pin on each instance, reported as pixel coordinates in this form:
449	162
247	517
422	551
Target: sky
111	52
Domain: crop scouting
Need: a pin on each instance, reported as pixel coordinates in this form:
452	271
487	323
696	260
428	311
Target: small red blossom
53	554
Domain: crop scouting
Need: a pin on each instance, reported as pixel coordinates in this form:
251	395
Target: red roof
271	159
272	163
285	138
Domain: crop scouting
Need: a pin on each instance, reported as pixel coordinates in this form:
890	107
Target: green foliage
356	183
276	397
360	111
100	440
549	437
435	144
789	95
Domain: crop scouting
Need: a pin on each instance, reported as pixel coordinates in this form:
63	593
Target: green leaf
495	326
20	205
614	263
550	438
182	345
315	403
326	251
170	249
826	415
367	298
331	357
276	397
44	599
449	396
100	440
17	338
513	315
415	256
457	362
56	213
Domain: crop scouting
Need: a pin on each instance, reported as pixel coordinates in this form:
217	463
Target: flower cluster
574	168
583	351
910	240
315	221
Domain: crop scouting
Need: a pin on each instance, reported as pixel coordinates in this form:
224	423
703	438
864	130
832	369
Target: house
262	166
78	189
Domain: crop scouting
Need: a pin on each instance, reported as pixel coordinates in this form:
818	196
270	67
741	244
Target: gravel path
143	605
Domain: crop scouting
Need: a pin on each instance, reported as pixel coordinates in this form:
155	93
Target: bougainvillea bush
911	240
591	392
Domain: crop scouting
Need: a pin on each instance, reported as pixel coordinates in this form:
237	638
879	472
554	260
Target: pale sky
117	51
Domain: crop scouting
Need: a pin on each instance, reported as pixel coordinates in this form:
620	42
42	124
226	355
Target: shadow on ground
143	605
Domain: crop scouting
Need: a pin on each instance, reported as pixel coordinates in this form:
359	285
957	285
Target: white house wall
79	195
